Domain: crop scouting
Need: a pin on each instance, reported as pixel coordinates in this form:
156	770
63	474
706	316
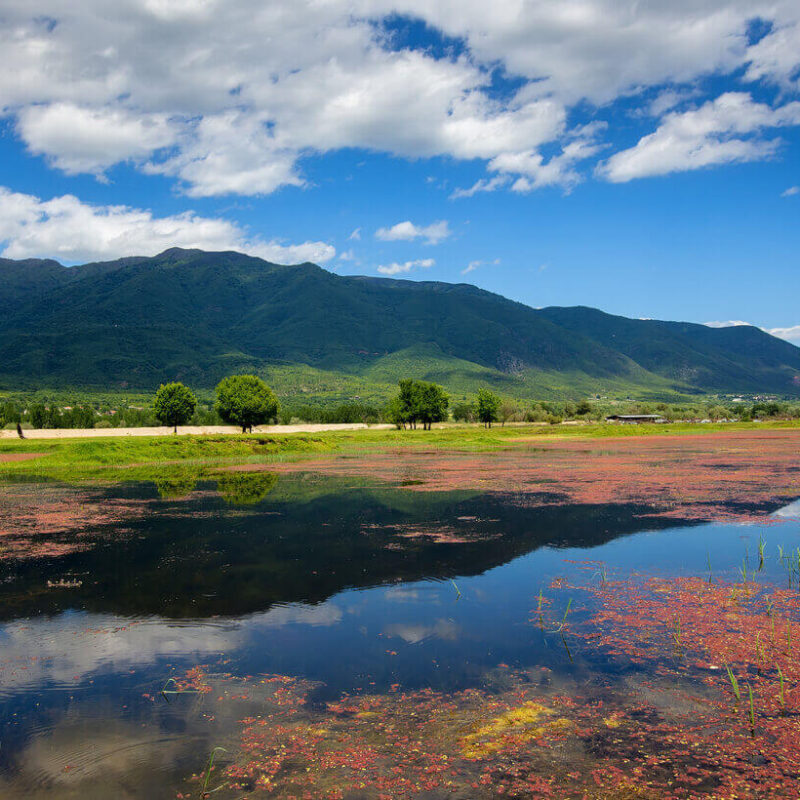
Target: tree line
246	401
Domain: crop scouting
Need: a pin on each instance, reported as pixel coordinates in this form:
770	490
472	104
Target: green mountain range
195	316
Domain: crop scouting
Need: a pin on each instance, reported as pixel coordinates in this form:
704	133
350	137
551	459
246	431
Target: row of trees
426	403
243	400
246	400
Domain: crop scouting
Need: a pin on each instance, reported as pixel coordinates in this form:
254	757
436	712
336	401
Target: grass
734	683
145	458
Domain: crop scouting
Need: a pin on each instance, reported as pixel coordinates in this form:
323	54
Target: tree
464	412
486	406
432	403
245	400
418	401
174	404
507	411
38	415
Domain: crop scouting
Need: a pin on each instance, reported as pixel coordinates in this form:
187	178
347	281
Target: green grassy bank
146	458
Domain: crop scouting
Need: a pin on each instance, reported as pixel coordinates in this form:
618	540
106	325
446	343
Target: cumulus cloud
69	230
90	140
727	323
407	266
721	131
228	97
790	334
407	231
791	191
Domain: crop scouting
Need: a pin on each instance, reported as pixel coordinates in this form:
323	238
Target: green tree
245	400
432	403
464	412
10	414
174	404
37	414
487	405
418	401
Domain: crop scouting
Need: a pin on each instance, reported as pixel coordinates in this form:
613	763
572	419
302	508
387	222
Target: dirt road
75	433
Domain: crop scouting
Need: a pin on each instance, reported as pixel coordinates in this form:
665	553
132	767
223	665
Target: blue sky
640	159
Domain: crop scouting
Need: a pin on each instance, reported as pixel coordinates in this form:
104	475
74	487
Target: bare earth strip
79	433
5	457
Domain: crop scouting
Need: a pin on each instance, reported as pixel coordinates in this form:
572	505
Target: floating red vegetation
33	517
698	696
710	477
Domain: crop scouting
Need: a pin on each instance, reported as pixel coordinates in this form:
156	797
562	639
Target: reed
734	683
458	591
165	691
566	612
761	545
752	711
676	631
781	693
205	791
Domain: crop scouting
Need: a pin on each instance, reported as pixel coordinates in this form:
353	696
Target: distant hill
195	316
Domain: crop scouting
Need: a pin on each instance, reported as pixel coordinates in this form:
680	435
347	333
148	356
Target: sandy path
76	433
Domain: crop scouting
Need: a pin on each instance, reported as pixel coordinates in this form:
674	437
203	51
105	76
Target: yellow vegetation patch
513	727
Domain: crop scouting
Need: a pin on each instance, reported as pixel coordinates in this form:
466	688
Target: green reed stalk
564	621
761	545
734	683
782	694
752	712
204	792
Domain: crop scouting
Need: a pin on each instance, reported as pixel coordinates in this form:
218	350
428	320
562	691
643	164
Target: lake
612	619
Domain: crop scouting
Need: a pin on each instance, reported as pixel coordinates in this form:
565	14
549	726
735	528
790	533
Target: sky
638	157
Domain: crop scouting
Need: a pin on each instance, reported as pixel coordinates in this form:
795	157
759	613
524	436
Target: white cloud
473	265
355	235
791	191
407	231
482	185
712	134
407	266
790	334
69	230
228	97
90	140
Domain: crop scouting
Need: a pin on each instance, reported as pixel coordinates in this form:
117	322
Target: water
342	588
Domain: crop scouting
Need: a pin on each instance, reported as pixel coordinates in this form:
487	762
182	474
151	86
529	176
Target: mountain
196	316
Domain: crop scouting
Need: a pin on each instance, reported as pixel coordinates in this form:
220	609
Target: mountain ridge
194	315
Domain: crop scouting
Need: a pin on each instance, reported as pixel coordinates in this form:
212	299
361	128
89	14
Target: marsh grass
734	683
205	791
136	457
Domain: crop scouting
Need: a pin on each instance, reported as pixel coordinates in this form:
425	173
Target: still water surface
355	591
